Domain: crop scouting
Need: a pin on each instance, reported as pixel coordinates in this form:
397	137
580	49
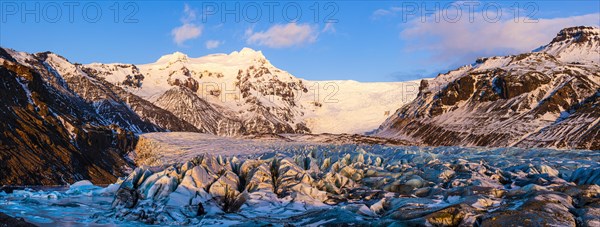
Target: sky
317	40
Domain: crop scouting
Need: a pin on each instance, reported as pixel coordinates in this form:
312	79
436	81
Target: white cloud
329	28
249	31
464	41
189	14
188	30
280	36
379	13
212	44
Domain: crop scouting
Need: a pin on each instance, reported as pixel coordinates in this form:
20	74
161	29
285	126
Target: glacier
313	184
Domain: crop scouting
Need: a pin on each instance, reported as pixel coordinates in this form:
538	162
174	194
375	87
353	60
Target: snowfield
355	107
159	148
201	179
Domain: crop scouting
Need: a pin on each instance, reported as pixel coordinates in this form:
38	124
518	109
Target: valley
230	139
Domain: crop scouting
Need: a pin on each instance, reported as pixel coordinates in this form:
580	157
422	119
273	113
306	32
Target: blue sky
363	41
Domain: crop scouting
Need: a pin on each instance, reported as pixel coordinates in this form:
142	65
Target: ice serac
547	98
315	184
324	184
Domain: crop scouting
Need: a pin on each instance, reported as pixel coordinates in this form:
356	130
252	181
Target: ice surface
317	184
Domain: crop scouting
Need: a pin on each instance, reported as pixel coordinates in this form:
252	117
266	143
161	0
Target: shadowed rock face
61	123
6	221
539	99
113	103
51	136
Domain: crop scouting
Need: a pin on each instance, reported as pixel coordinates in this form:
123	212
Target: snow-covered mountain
546	98
576	44
59	116
224	94
243	93
113	103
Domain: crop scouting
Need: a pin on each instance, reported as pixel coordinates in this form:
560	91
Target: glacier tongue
318	184
325	184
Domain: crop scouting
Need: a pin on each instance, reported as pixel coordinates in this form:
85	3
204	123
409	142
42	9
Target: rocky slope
221	94
189	107
6	221
547	98
115	104
50	135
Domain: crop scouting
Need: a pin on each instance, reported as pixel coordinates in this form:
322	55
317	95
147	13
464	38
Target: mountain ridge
50	134
244	84
515	100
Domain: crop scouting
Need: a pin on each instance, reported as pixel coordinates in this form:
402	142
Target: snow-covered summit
575	44
581	33
246	56
246	51
243	89
174	57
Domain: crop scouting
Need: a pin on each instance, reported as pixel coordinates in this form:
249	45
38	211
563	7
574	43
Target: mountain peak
578	34
50	54
575	44
174	57
249	52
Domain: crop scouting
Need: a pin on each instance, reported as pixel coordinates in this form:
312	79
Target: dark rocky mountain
546	98
50	135
578	127
114	103
62	123
6	221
